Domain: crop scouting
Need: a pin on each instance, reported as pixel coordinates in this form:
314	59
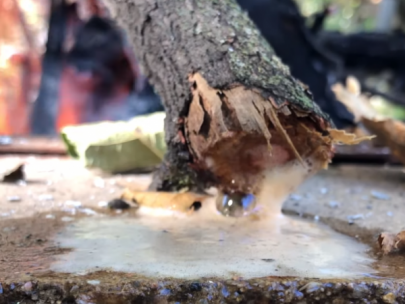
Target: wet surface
195	247
62	202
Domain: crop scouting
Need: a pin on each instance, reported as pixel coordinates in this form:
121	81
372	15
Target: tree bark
225	93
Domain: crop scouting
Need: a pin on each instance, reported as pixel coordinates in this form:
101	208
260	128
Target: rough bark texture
182	42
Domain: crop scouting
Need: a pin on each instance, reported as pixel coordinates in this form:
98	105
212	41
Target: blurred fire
20	34
23	34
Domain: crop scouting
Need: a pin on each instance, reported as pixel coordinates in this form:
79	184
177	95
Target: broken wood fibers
237	134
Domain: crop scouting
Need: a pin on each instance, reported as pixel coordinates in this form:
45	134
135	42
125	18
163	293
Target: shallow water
194	247
161	243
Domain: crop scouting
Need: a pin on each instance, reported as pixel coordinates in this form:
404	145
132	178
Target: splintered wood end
237	134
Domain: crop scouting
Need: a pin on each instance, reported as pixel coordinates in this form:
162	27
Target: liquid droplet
235	204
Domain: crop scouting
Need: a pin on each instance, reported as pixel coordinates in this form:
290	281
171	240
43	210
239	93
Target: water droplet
235	204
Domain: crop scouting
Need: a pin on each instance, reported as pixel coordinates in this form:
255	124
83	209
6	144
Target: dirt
356	200
109	287
58	184
46	203
26	245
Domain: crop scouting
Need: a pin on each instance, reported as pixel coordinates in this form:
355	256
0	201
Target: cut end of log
238	134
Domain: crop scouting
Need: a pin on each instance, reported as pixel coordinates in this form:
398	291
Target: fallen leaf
15	175
390	132
176	201
342	137
387	242
390	242
353	85
356	103
400	244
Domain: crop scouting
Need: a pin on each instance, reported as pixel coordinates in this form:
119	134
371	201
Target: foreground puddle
194	247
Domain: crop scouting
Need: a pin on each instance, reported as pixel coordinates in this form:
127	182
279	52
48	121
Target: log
233	109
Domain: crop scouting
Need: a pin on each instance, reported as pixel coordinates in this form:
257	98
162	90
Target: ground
359	201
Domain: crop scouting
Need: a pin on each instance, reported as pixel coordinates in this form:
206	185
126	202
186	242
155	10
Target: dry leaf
400	244
176	201
390	132
353	85
389	242
342	137
356	103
